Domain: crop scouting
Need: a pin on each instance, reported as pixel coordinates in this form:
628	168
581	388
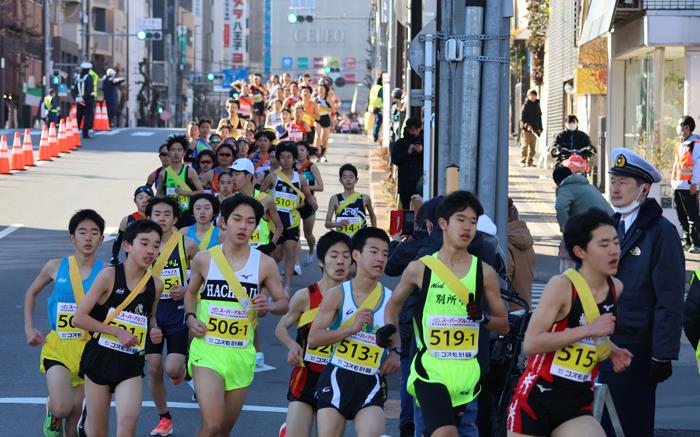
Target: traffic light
298	18
215	76
155	35
56	77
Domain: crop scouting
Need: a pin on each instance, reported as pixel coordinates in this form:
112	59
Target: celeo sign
316	36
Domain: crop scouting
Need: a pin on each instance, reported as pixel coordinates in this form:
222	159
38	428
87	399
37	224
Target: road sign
165	115
149	24
416	50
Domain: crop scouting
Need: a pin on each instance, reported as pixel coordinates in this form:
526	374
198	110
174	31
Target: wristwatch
396	349
187	315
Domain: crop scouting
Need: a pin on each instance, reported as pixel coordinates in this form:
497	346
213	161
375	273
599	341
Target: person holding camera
407	156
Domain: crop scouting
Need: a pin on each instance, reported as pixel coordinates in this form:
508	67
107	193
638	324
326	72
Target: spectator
407	155
571	137
531	121
521	255
685	180
574	195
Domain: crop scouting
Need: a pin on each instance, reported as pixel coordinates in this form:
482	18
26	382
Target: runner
451	284
206	160
142	196
222	357
290	191
204	232
311	113
233	119
164	156
226	186
263	144
62	347
269	229
325	108
298	129
119	312
352	385
349	207
176	252
274	114
224	157
334	259
567	336
179	181
294	98
310	171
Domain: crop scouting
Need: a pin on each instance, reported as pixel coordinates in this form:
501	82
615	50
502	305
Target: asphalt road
102	175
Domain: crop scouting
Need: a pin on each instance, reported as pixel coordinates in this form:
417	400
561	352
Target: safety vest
683	161
48	104
375	97
95	78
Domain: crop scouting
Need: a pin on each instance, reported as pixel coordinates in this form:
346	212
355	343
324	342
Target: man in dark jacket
571	137
649	312
407	156
110	83
531	122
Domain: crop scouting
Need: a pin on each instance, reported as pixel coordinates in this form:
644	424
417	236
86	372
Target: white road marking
148	404
264	368
111	233
142	134
10	229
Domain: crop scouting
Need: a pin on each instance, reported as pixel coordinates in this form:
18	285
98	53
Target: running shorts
109	367
302	386
546	406
291	234
435	401
177	343
306	211
66	353
236	366
349	392
325	120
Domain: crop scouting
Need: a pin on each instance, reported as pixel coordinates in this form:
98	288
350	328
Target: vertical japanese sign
235	33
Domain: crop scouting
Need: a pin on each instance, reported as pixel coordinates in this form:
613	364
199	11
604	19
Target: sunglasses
224	154
163	154
205	162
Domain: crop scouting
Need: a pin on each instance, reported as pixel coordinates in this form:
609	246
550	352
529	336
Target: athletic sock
166	415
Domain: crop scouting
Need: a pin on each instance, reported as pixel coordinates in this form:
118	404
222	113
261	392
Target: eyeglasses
225	155
162	154
205	162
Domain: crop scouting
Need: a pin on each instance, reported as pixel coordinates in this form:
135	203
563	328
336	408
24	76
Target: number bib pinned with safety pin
358	353
170	278
229	327
137	324
319	355
576	362
65	328
453	337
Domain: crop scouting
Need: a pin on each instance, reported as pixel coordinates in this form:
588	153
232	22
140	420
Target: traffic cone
97	124
73	111
76	131
44	150
17	159
69	134
53	140
28	149
105	117
62	136
4	158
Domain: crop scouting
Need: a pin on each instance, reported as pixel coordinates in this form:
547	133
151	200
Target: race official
649	313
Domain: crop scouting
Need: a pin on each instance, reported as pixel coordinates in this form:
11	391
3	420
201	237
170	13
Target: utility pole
48	63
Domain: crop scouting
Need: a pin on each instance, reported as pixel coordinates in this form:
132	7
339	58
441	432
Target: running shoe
82	420
164	427
309	259
53	426
297	269
259	360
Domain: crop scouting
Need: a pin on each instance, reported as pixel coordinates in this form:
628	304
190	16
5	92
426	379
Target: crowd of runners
197	264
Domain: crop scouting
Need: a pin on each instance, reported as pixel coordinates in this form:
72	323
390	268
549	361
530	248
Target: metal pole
428	116
127	122
48	64
503	145
444	97
471	89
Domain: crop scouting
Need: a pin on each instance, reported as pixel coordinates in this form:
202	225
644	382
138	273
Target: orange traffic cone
76	131
44	150
28	149
17	159
69	134
4	158
73	111
105	117
53	141
97	123
62	146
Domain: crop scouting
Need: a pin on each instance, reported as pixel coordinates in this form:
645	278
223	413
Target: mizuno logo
119	291
543	389
608	307
246	276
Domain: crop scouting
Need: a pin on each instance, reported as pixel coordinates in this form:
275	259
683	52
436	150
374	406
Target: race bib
453	337
295	135
170	191
256	237
228	327
285	201
575	362
64	321
319	355
135	323
170	278
354	224
358	353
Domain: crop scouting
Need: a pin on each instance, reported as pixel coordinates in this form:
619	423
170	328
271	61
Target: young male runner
142	196
119	313
567	336
451	283
178	180
349	207
352	385
334	258
62	347
229	288
205	233
290	191
307	168
176	252
263	238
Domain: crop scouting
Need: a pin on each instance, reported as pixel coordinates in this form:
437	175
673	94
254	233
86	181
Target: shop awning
598	20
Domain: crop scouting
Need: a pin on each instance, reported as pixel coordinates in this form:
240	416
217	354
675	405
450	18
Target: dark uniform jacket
652	270
691	312
409	165
573	139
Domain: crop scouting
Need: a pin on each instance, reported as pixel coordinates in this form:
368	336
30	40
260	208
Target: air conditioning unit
629	5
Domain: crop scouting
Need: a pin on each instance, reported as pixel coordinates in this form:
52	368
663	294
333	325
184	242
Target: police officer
110	83
685	180
51	105
649	312
84	92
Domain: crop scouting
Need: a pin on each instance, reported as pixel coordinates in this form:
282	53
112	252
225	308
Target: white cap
111	72
486	225
243	164
86	65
